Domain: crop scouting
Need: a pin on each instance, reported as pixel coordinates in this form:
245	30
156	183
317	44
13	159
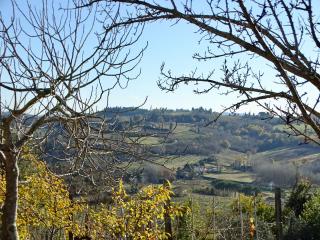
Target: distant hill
244	132
254	147
192	135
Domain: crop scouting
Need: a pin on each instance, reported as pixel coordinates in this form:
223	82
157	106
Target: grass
300	127
150	140
227	157
297	154
191	184
204	200
184	132
173	162
242	177
308	158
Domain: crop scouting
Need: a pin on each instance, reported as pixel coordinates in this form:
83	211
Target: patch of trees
311	170
232	186
244	133
156	174
276	173
56	214
301	213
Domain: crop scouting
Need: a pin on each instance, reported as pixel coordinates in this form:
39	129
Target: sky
174	45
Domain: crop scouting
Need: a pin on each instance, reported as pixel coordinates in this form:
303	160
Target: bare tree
249	35
57	62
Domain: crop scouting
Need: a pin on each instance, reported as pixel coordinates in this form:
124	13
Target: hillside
244	152
250	149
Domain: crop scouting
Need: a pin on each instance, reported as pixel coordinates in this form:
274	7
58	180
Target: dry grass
243	177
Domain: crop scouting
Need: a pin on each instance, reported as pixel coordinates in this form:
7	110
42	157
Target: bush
311	216
157	174
247	189
206	191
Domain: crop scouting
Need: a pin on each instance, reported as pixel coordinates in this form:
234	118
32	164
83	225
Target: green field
295	154
243	177
173	162
250	142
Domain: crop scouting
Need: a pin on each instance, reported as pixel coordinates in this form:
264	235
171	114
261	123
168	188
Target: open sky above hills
174	45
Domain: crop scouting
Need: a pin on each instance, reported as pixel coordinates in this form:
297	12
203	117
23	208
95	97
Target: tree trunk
167	221
167	218
9	210
278	213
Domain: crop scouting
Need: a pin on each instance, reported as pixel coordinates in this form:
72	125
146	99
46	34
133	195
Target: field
174	162
243	177
235	154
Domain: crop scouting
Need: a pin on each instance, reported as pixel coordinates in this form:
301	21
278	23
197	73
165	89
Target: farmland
237	152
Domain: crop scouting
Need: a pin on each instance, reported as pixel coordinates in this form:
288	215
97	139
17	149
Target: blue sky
174	45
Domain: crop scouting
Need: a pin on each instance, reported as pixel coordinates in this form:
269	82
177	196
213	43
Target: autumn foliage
46	210
44	204
138	217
